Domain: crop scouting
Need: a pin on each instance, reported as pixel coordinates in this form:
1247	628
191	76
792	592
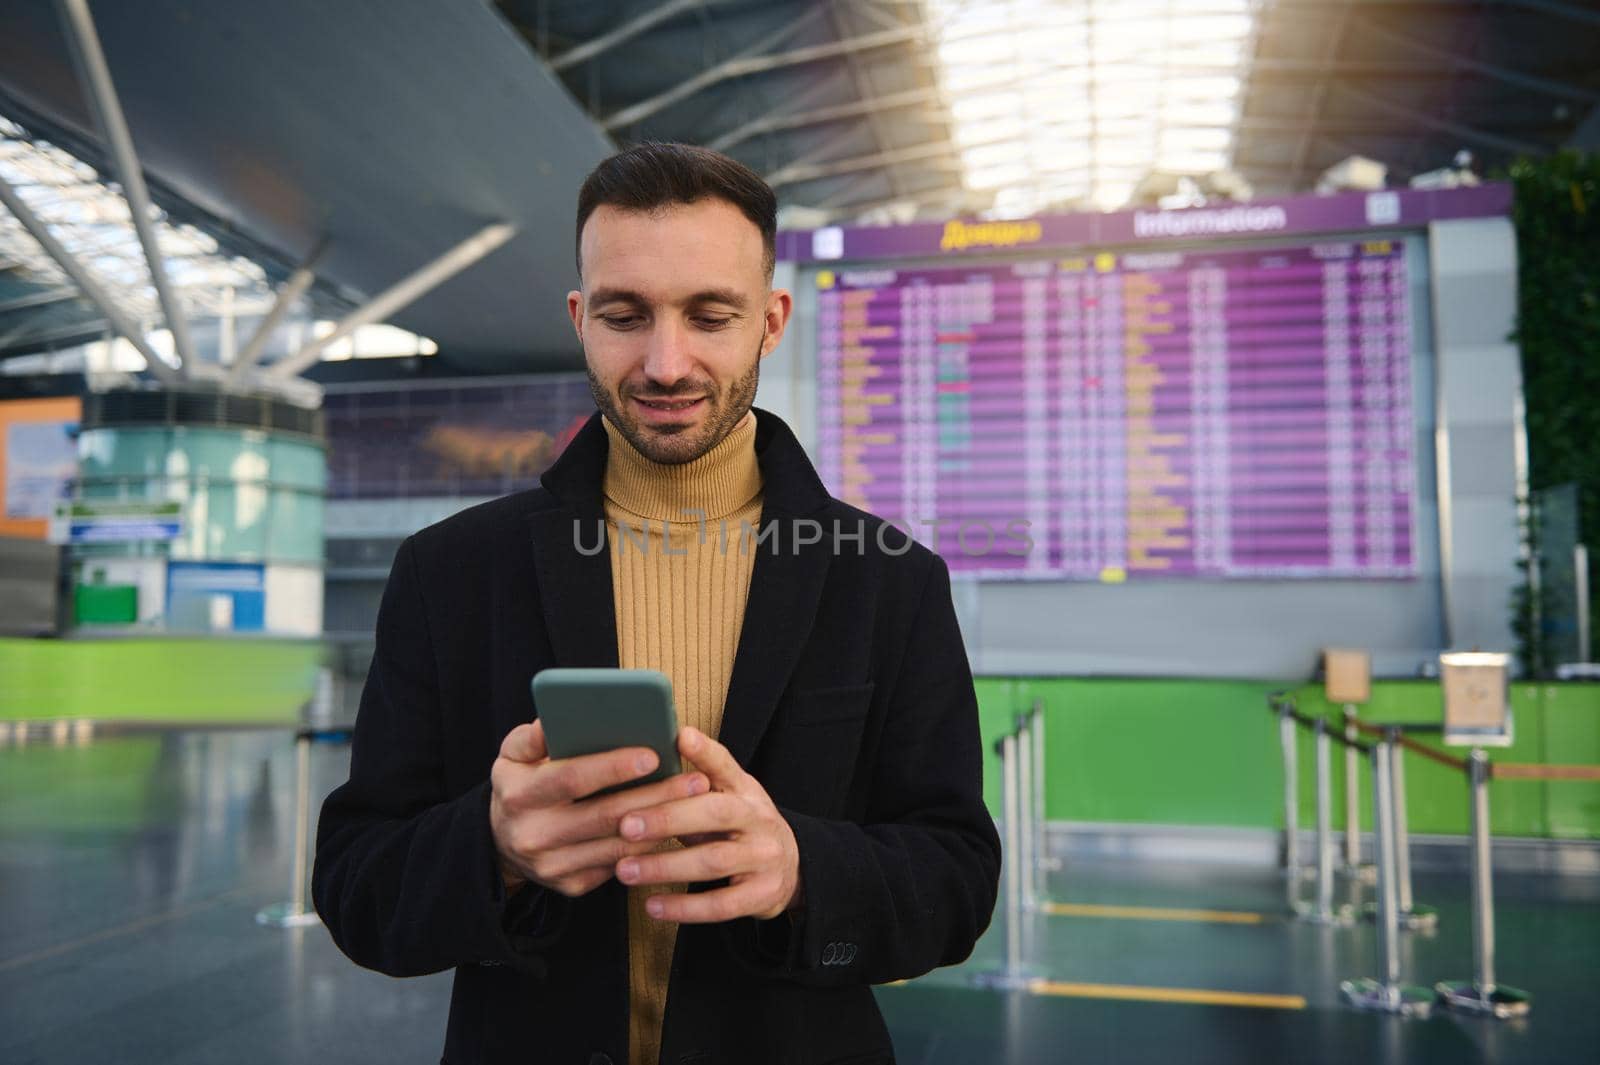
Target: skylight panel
1113	88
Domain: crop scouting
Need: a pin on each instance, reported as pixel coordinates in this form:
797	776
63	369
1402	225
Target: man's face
675	316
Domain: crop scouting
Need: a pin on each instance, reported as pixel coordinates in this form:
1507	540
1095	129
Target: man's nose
668	359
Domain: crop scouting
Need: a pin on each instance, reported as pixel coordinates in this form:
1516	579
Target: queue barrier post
1386	993
1325	912
1353	868
1012	973
1482	995
1025	810
1043	863
293	914
1411	915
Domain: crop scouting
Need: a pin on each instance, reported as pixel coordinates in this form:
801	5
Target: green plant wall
1556	211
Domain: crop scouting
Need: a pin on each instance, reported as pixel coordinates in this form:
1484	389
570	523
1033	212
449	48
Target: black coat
851	700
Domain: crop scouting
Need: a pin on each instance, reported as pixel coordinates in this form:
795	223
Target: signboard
1109	416
1347	676
38	462
1477	705
115	522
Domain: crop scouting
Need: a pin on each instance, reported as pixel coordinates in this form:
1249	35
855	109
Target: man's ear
780	305
575	312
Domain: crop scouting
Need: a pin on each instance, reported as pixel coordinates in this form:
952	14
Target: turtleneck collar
717	483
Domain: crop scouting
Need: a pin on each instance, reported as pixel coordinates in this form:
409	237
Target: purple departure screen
1198	413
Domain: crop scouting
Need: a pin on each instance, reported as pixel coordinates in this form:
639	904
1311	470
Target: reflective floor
131	869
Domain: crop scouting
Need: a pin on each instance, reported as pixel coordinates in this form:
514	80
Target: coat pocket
812	748
828	706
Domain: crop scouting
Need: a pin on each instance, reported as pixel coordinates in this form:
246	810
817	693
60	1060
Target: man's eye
711	323
620	321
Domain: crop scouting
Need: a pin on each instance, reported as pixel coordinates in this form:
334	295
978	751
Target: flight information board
1233	413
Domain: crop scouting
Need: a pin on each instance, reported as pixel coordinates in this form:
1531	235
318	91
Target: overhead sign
115	522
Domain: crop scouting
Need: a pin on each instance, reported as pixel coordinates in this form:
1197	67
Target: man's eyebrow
615	295
720	295
726	296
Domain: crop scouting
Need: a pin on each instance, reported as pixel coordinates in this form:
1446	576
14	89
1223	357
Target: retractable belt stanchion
1481	994
1347	682
1291	796
1011	973
1281	704
1353	868
1409	913
1043	863
1025	807
1386	993
293	914
1325	912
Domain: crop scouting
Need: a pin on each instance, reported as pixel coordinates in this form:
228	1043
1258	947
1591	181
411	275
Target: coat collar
575	590
790	483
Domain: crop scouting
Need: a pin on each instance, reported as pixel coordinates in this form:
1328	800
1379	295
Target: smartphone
587	711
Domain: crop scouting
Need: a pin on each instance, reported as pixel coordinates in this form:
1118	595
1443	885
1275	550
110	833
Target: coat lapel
785	588
575	593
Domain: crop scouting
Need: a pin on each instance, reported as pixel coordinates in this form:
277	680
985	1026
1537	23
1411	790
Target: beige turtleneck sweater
680	614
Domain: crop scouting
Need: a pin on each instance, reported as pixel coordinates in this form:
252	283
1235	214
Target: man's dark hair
653	175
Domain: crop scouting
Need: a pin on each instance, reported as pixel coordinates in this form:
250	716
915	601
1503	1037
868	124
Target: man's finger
525	743
743	899
605	853
571	779
711	758
595	818
691	865
714	812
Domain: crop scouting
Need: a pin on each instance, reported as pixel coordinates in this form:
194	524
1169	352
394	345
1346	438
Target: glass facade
248	495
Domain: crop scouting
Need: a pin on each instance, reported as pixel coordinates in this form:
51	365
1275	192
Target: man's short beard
726	412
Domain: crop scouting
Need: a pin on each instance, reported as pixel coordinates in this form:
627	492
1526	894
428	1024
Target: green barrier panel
178	681
1205	752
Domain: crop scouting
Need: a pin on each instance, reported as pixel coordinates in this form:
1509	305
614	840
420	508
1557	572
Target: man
828	831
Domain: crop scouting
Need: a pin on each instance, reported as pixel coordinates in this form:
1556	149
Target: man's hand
732	831
548	828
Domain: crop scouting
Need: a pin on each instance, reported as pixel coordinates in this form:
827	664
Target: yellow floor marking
1189	996
1152	913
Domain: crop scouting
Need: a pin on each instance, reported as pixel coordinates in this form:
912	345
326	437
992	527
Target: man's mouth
667	404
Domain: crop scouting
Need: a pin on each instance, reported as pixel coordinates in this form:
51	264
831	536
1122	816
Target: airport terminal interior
1240	359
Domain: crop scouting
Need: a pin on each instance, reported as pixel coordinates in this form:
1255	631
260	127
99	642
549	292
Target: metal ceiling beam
79	332
1493	70
864	90
399	295
622	34
1558	8
1448	65
743	65
821	115
86	282
94	75
947	196
1319	95
292	290
793	104
42	298
1444	125
795	173
1587	16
